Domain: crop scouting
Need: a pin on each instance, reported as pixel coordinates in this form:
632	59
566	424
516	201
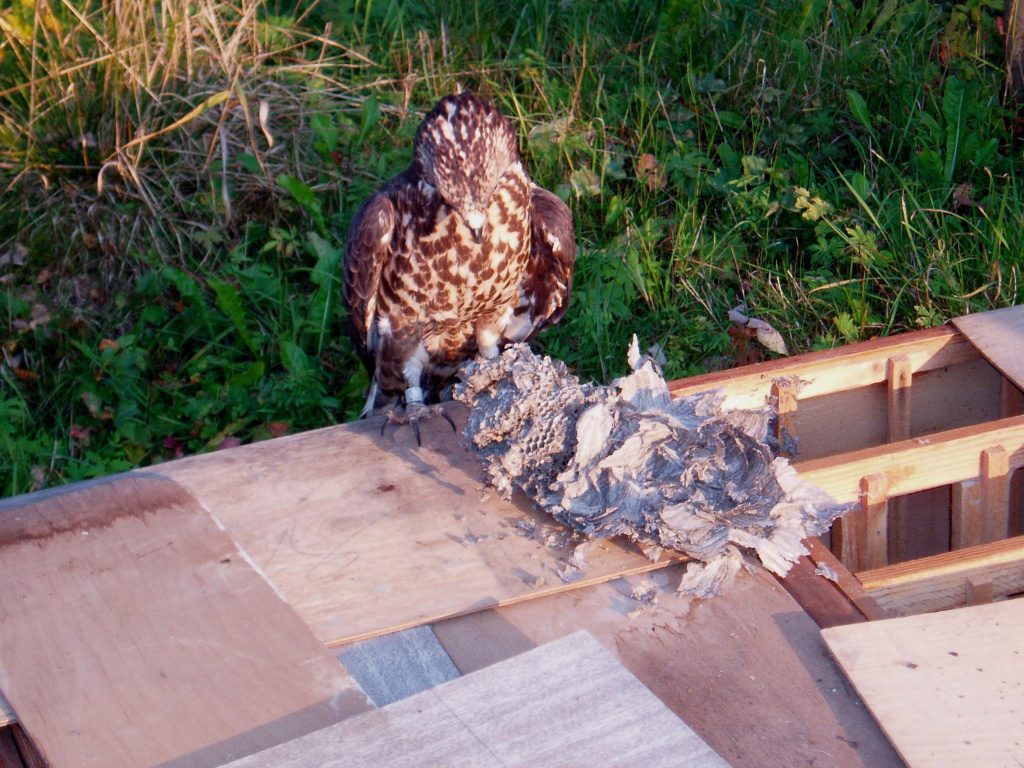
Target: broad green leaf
295	361
249	376
302	194
369	119
957	99
859	107
325	276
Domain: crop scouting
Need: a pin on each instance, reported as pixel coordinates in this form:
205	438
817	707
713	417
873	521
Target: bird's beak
476	220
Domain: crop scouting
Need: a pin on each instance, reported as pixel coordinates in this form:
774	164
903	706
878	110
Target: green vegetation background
176	184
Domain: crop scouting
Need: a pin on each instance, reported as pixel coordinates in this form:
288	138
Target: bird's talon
449	420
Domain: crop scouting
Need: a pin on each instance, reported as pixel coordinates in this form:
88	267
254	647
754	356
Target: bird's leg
487	342
415	407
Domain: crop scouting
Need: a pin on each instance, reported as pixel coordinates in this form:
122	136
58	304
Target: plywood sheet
135	633
948	688
999	336
747	670
342	517
569	703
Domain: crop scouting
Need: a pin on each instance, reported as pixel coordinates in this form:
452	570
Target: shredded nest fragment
629	459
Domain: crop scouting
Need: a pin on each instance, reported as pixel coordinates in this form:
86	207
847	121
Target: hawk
459	254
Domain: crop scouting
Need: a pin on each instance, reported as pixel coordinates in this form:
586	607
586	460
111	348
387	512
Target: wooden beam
846	581
979	592
966	518
940	582
898	379
917	464
1011	399
995	494
834	370
875	503
785	391
860	537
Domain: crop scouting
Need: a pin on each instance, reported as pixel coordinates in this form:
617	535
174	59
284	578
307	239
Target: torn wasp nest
681	473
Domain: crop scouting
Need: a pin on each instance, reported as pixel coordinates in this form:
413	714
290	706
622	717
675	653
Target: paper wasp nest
629	459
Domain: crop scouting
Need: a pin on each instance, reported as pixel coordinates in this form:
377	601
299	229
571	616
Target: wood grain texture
939	582
948	688
342	516
746	670
846	581
568	703
135	633
920	463
834	370
999	336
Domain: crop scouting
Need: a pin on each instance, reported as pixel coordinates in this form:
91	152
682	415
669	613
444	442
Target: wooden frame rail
977	463
962	577
835	370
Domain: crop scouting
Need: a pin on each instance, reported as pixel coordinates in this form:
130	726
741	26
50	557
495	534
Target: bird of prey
458	255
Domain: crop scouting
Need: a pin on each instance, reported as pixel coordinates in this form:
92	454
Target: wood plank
568	703
784	391
135	633
874	501
948	688
1011	399
834	370
917	464
819	596
939	582
999	336
958	396
995	494
966	522
746	670
899	376
846	581
324	513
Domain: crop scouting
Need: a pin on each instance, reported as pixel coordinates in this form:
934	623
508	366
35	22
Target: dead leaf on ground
651	172
962	196
278	428
766	335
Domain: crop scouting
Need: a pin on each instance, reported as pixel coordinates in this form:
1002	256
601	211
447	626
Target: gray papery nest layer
629	459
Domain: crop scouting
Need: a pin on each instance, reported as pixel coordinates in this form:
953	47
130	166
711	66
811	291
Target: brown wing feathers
366	249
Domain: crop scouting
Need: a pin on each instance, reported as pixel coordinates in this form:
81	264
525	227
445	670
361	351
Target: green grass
176	191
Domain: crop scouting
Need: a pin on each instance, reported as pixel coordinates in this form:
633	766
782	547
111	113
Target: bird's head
463	147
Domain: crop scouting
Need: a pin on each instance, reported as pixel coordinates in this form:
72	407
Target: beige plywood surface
134	633
999	336
948	688
746	670
568	703
342	518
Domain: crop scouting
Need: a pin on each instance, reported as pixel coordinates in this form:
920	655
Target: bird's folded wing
366	249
